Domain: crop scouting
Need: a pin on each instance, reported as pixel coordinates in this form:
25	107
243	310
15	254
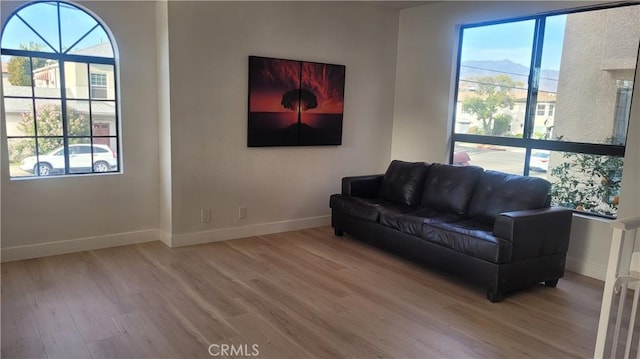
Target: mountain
518	72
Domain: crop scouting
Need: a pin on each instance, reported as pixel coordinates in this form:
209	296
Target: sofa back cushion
402	183
449	188
499	192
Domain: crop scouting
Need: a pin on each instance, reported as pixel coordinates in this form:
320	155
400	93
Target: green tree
49	123
493	94
501	124
19	68
588	183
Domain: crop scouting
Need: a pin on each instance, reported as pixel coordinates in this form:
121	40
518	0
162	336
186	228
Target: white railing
623	272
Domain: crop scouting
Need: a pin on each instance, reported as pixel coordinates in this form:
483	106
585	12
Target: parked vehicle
80	155
539	161
461	158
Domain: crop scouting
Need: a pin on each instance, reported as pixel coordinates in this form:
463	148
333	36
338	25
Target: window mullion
534	84
59	28
36	32
80	39
534	77
90	112
35	121
63	114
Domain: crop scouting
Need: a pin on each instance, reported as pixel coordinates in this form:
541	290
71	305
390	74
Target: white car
104	159
539	161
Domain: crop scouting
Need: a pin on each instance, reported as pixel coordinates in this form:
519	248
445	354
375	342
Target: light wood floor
296	295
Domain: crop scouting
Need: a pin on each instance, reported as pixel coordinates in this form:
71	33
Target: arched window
60	92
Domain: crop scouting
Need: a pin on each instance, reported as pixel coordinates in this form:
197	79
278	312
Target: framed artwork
294	103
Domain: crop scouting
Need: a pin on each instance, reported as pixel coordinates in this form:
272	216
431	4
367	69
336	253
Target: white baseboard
120	239
222	234
585	268
77	245
164	237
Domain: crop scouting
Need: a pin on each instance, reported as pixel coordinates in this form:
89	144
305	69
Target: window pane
19	117
76	82
48	118
20	149
80	155
102	84
97	43
622	111
50	156
494	71
98	85
78	118
598	59
46	77
585	182
489	157
548	83
18	80
18	36
43	18
74	23
105	158
104	118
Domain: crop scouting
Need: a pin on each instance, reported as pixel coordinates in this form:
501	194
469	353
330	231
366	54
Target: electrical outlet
242	212
205	215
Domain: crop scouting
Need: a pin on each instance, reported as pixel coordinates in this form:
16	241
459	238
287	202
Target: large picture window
59	92
550	96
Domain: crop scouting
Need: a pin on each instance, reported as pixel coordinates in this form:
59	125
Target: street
505	159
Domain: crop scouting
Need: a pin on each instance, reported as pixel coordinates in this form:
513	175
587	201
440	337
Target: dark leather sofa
490	228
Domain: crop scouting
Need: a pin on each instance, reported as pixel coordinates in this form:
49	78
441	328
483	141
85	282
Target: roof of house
101	50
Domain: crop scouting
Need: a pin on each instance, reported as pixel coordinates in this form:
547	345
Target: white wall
164	119
39	215
282	188
427	41
184	115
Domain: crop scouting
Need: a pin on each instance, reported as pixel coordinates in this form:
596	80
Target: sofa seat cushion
368	209
449	188
412	222
499	192
403	182
469	237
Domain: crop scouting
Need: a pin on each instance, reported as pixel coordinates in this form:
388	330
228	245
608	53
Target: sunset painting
294	103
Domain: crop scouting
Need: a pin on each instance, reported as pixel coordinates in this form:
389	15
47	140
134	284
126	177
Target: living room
183	110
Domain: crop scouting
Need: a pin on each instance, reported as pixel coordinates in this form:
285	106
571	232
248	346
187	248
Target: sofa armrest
535	233
362	186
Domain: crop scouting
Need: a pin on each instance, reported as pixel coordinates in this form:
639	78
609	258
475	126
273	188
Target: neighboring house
599	62
95	82
543	121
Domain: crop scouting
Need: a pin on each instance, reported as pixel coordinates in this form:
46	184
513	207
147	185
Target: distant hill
469	69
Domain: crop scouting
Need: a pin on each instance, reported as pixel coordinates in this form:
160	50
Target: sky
513	41
74	24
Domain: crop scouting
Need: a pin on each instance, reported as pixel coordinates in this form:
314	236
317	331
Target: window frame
62	58
527	142
100	87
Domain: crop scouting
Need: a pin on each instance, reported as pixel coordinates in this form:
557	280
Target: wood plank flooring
302	294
